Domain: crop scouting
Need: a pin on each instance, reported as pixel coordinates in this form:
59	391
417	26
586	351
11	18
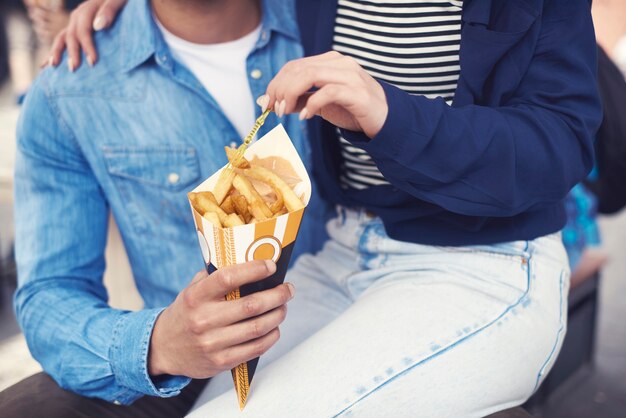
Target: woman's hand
346	96
91	15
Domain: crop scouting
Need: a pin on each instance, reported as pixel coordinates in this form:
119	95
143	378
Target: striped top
413	45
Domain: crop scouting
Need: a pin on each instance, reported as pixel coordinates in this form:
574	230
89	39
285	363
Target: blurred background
589	379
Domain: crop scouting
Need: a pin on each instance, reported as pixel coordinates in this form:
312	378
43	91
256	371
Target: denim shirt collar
142	39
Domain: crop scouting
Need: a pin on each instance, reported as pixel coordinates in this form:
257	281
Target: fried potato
241	207
241	162
208	195
292	201
213	218
232	220
281	212
203	204
224	184
227	205
257	205
279	204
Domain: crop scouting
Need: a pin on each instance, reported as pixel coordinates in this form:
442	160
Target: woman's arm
473	160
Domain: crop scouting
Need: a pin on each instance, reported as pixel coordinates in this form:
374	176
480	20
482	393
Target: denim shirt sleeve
61	303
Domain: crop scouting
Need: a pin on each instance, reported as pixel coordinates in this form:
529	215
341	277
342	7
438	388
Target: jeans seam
451	346
558	335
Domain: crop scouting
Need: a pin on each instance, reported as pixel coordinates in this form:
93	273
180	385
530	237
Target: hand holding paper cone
251	209
201	334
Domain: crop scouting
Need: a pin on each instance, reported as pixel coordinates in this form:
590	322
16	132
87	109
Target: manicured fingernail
51	62
90	61
99	23
280	110
70	65
271	266
303	114
292	290
265	101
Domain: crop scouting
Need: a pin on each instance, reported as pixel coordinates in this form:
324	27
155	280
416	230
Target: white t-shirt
221	68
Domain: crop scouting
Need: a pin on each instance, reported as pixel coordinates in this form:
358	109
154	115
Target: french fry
292	201
204	205
232	220
213	218
209	195
241	207
241	162
279	204
257	205
224	184
227	205
281	212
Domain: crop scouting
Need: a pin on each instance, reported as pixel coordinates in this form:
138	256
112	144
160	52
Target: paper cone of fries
254	232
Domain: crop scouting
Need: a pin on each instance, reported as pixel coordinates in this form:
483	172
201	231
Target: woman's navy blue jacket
496	165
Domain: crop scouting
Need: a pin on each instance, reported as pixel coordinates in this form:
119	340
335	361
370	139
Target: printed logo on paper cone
265	248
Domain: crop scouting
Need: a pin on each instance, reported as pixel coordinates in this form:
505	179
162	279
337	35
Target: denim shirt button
173	178
256	74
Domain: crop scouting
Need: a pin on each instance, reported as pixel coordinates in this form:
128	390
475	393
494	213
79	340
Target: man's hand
201	334
92	15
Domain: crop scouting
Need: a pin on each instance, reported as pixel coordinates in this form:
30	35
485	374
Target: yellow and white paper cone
271	239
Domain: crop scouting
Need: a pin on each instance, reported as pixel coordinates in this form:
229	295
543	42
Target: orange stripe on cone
293	223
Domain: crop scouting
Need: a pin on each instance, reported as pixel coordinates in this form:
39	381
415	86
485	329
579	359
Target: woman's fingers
58	45
89	16
298	70
107	13
346	96
73	47
84	37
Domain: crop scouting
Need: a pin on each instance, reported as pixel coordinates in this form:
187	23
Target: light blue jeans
382	328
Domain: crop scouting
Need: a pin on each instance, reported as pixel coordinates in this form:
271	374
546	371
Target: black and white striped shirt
413	45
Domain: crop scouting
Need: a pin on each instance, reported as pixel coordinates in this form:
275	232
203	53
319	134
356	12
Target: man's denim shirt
131	136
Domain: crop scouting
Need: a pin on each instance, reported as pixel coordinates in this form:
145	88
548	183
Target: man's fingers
230	278
252	305
202	274
245	331
236	355
107	13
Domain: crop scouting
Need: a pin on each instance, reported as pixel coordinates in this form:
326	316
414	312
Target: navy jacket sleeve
500	161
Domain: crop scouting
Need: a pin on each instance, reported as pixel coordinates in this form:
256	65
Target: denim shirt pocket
153	182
